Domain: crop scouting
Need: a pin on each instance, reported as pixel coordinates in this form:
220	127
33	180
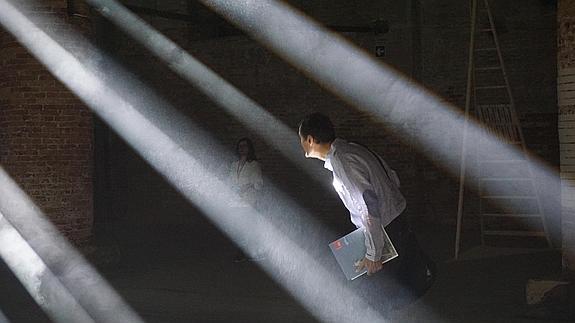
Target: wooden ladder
511	207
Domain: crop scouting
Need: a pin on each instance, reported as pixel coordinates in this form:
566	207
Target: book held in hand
350	249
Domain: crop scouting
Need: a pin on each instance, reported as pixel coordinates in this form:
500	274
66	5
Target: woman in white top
246	179
246	174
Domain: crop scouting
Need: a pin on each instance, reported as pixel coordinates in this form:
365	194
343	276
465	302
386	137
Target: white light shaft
246	110
317	289
64	266
3	318
38	280
82	281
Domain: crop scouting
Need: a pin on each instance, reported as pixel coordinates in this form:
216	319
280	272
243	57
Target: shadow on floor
187	275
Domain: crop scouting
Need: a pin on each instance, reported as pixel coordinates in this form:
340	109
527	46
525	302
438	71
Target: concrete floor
176	278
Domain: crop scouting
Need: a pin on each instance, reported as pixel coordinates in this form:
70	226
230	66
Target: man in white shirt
369	189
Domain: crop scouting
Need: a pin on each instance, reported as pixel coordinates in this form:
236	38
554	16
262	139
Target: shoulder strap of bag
394	178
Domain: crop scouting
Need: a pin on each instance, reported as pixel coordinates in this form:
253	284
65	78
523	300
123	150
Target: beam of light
317	287
3	318
54	273
371	86
34	275
243	108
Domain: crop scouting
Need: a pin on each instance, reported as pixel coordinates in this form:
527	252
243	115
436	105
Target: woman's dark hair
318	126
251	149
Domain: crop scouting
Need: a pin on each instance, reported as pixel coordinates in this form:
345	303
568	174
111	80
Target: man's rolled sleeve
365	202
374	239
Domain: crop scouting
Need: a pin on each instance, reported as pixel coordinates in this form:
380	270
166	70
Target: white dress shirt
368	188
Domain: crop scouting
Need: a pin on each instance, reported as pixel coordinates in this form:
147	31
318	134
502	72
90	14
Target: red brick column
46	133
566	75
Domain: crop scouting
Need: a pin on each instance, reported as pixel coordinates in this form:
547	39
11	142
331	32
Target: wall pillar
566	77
45	131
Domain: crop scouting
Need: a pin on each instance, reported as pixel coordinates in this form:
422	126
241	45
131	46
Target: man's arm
374	245
372	222
355	177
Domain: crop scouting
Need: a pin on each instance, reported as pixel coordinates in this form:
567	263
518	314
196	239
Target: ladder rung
509	142
505	179
515	233
511	197
488	68
512	215
502	161
485	49
507	124
490	87
498	106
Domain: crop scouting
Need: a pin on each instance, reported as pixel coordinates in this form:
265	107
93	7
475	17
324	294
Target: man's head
316	133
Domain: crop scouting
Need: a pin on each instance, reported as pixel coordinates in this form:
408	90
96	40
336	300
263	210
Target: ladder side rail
481	211
462	170
513	113
515	119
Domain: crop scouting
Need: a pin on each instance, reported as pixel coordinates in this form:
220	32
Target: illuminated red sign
338	245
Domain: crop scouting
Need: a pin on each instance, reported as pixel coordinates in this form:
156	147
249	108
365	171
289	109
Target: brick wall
566	64
46	132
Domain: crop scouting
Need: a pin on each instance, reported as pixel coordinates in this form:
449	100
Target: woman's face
243	149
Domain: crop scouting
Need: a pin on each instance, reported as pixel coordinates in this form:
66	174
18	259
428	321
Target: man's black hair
318	126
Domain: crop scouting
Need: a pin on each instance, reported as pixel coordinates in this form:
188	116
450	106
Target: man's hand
371	266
